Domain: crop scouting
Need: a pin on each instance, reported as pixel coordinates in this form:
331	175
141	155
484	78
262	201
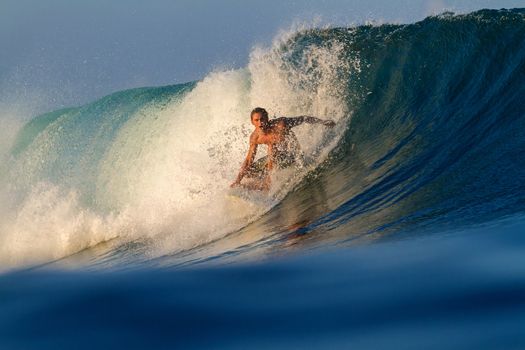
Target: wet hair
261	110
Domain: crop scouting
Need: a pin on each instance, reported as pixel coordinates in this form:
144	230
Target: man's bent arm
248	161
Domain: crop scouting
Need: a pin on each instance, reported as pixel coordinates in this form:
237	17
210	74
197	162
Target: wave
430	134
437	131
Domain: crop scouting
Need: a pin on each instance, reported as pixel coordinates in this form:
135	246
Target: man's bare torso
282	142
275	134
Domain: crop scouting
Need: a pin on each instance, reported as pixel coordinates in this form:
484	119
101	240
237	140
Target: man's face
258	120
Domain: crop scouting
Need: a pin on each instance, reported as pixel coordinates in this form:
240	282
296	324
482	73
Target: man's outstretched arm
294	121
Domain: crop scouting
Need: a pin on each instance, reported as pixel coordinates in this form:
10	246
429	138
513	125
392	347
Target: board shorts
258	169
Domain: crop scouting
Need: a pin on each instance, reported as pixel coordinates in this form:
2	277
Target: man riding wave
283	147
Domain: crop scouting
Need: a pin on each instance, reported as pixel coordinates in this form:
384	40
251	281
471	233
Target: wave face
430	135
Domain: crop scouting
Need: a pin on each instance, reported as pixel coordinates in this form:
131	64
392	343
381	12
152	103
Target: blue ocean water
405	229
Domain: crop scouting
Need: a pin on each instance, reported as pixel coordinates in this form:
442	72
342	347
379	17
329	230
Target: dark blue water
409	234
463	291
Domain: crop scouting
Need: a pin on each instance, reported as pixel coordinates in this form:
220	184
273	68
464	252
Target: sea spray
154	164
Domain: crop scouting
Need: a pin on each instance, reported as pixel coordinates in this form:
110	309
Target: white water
166	173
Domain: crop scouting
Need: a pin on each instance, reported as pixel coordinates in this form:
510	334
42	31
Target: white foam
51	224
166	173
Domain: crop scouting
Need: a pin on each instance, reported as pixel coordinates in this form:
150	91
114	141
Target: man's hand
235	184
329	123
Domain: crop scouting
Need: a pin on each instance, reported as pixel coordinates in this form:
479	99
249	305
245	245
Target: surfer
283	147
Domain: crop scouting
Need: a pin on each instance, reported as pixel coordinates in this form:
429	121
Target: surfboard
251	197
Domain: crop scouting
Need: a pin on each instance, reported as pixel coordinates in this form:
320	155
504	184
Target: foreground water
459	290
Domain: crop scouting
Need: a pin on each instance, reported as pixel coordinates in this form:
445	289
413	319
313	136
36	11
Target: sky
59	53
